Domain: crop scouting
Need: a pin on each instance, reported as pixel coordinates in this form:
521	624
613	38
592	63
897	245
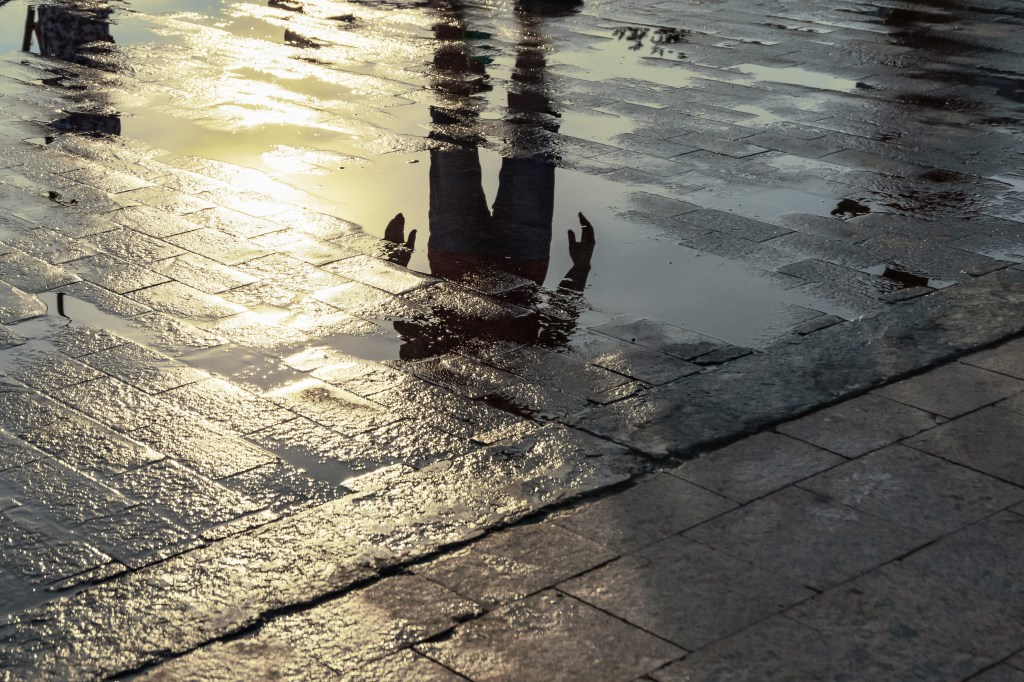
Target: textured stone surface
987	440
654	508
550	636
953	390
686	592
809	538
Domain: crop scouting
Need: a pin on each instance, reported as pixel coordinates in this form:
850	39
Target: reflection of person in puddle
64	33
514	236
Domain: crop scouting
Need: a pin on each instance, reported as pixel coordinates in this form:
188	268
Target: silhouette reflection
69	34
470	241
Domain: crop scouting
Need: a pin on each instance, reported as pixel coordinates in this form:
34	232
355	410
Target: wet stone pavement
283	303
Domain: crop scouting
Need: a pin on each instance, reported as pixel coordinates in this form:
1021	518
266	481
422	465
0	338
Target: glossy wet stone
565	638
515	563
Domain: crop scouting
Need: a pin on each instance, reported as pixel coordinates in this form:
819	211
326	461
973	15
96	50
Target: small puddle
794	75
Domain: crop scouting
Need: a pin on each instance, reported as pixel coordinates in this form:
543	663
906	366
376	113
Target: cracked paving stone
719	594
812	539
917	491
550	636
144	369
756	466
860	425
652	509
511	564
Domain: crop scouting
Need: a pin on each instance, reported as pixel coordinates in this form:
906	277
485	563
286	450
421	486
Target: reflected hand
583	250
395	233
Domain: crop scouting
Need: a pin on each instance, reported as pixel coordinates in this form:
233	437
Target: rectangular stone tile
953	390
809	538
233	222
210	450
44	370
225	403
736	225
202	273
118	405
153	221
660	336
104	299
49	245
1000	673
407	665
305	247
933	626
115	274
1008	359
31	274
195	502
332	407
132	246
652	509
61	493
143	368
37	553
415	443
172	337
22	410
922	493
218	246
167	199
241	660
686	592
91	448
380	274
980	559
987	440
184	301
554	637
860	425
108	180
511	564
137	536
279	486
756	466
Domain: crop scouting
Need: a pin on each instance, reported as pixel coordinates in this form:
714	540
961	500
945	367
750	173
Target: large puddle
379	109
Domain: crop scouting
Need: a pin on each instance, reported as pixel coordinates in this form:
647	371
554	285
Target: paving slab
986	440
654	587
953	390
554	636
812	539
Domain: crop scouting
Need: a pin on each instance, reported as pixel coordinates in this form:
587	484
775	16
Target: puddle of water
794	75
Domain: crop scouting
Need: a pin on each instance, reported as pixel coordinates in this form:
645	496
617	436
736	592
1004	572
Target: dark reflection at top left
73	33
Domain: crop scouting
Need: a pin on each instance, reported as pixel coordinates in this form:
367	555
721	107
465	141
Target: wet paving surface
253	257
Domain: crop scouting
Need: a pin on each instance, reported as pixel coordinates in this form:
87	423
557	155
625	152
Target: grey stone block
859	425
686	592
756	466
554	637
1006	359
514	563
922	493
653	509
987	440
809	538
952	390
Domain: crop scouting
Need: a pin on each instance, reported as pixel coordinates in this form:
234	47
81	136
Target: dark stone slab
747	394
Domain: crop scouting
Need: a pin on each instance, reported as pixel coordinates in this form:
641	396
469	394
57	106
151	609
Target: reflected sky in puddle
324	126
